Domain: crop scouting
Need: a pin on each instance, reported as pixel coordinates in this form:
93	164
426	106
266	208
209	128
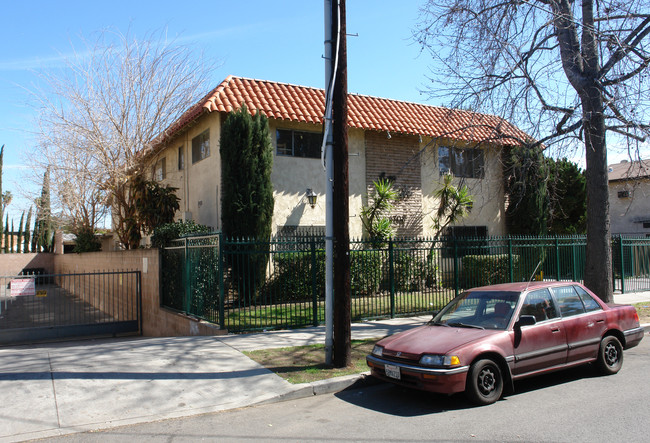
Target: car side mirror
526	320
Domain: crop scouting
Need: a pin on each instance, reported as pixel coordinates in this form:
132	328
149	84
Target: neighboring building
629	202
412	144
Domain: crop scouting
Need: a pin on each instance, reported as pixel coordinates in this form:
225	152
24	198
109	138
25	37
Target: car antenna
533	274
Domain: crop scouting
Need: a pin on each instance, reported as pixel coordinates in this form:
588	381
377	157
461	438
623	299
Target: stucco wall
199	183
629	214
14	264
487	192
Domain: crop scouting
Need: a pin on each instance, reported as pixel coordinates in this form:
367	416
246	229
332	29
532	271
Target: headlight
439	360
377	351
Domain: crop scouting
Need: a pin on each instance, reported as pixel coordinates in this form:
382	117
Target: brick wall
398	157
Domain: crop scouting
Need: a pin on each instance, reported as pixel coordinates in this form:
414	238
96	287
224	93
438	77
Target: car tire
610	355
484	382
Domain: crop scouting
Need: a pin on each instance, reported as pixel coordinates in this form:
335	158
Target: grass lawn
304	364
643	309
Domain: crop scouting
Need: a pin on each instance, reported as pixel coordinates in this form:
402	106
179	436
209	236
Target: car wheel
484	382
610	355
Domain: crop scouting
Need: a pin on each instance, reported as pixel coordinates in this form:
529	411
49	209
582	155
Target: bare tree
567	72
100	115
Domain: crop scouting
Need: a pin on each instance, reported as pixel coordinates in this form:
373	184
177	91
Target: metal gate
53	306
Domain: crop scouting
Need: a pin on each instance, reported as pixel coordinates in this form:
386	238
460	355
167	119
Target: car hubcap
486	381
611	354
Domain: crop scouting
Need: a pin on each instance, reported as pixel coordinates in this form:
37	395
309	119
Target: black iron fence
46	306
246	285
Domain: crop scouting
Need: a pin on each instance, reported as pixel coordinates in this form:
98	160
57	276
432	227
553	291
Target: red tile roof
304	104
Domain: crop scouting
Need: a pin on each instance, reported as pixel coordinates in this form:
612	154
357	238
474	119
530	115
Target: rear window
589	302
568	301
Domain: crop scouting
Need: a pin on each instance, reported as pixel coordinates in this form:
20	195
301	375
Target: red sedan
488	337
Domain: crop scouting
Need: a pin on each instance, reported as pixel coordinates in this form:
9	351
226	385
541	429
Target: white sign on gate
23	286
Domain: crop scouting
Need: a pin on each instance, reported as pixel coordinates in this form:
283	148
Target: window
540	304
623	194
569	301
590	304
467	163
181	158
160	170
298	143
201	146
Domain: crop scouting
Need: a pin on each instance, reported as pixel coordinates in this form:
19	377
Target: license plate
392	371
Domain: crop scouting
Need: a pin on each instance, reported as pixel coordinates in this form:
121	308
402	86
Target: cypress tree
19	243
6	243
26	228
247	192
11	237
44	216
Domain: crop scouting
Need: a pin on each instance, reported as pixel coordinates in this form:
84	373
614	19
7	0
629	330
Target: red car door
544	344
584	322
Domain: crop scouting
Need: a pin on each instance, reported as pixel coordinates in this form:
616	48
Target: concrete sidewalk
59	388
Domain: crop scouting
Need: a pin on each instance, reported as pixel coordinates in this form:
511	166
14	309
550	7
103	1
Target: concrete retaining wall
156	320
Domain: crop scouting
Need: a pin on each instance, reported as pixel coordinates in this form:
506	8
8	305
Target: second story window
201	146
467	163
160	170
181	158
298	143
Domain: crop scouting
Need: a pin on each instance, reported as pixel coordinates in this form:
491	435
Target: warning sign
23	286
41	293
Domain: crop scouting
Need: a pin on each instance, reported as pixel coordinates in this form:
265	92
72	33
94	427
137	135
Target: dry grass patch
304	364
643	309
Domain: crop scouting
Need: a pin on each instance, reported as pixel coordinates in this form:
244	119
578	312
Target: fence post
621	250
511	272
314	296
456	276
391	277
188	289
220	273
557	258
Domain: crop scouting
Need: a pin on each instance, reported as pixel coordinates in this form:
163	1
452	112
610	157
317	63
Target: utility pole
330	51
342	302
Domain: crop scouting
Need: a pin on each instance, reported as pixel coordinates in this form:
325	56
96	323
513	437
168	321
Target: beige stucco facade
412	159
629	206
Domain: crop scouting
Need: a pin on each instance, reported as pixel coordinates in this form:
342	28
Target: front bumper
440	380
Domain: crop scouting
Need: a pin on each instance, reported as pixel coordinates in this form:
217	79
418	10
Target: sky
279	41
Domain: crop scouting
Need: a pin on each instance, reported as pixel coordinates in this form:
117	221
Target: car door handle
556	329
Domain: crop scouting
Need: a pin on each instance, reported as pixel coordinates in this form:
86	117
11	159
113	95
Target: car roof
523	286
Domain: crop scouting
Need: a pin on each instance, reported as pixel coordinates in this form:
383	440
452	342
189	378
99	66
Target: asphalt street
577	405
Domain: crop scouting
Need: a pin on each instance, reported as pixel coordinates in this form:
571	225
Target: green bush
292	279
365	272
167	232
483	270
413	272
87	241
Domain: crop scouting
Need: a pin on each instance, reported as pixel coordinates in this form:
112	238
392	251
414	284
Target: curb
327	386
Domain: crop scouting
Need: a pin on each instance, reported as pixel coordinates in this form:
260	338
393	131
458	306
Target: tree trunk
598	263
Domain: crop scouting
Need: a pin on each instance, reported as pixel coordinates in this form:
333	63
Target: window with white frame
201	146
461	162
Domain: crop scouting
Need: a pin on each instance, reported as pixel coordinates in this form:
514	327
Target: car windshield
479	309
